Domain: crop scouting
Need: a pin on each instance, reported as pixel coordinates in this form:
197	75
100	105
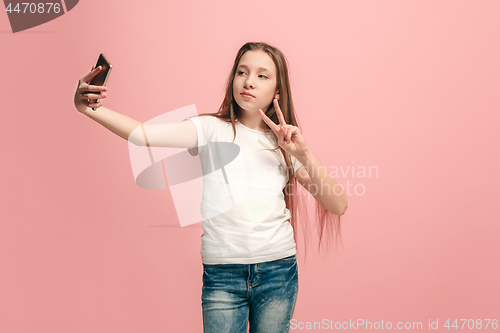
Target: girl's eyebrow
260	68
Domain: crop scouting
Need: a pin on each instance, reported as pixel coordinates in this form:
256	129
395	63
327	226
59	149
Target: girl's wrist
305	155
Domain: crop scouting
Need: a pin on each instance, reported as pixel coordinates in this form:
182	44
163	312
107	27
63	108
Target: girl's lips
246	95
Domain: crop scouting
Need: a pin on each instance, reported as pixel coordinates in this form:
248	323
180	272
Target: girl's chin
252	110
247	107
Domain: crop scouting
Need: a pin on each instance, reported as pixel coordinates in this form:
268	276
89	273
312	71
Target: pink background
410	87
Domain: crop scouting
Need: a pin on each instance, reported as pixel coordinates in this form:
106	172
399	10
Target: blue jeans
262	294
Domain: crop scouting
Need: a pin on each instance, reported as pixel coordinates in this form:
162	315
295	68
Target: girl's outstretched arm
175	135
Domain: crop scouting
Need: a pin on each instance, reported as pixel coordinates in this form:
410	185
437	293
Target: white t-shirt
245	219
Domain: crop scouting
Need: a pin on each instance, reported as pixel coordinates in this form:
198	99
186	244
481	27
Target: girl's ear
277	95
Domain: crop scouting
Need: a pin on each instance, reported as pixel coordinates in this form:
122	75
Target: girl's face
255	75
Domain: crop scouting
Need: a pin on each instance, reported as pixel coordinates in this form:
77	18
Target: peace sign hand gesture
289	136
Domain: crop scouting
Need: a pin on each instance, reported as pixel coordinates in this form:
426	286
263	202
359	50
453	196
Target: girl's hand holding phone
86	95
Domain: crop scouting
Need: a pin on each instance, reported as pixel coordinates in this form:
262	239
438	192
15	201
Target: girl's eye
241	73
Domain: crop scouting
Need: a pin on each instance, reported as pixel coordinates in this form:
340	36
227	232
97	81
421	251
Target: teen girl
250	273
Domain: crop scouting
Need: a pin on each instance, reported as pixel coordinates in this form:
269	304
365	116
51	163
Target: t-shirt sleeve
205	129
296	163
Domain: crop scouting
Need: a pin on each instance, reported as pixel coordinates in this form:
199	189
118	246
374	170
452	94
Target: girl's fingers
293	131
285	134
279	113
96	88
94	105
281	136
289	135
267	120
88	89
91	74
289	131
88	95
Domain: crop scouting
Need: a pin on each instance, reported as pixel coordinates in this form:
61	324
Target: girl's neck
252	122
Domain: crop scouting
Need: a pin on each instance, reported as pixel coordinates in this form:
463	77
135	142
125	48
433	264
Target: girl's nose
248	83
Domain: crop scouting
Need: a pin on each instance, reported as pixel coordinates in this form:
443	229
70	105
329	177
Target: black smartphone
102	78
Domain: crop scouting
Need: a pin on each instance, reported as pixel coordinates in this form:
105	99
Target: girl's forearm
330	194
117	123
